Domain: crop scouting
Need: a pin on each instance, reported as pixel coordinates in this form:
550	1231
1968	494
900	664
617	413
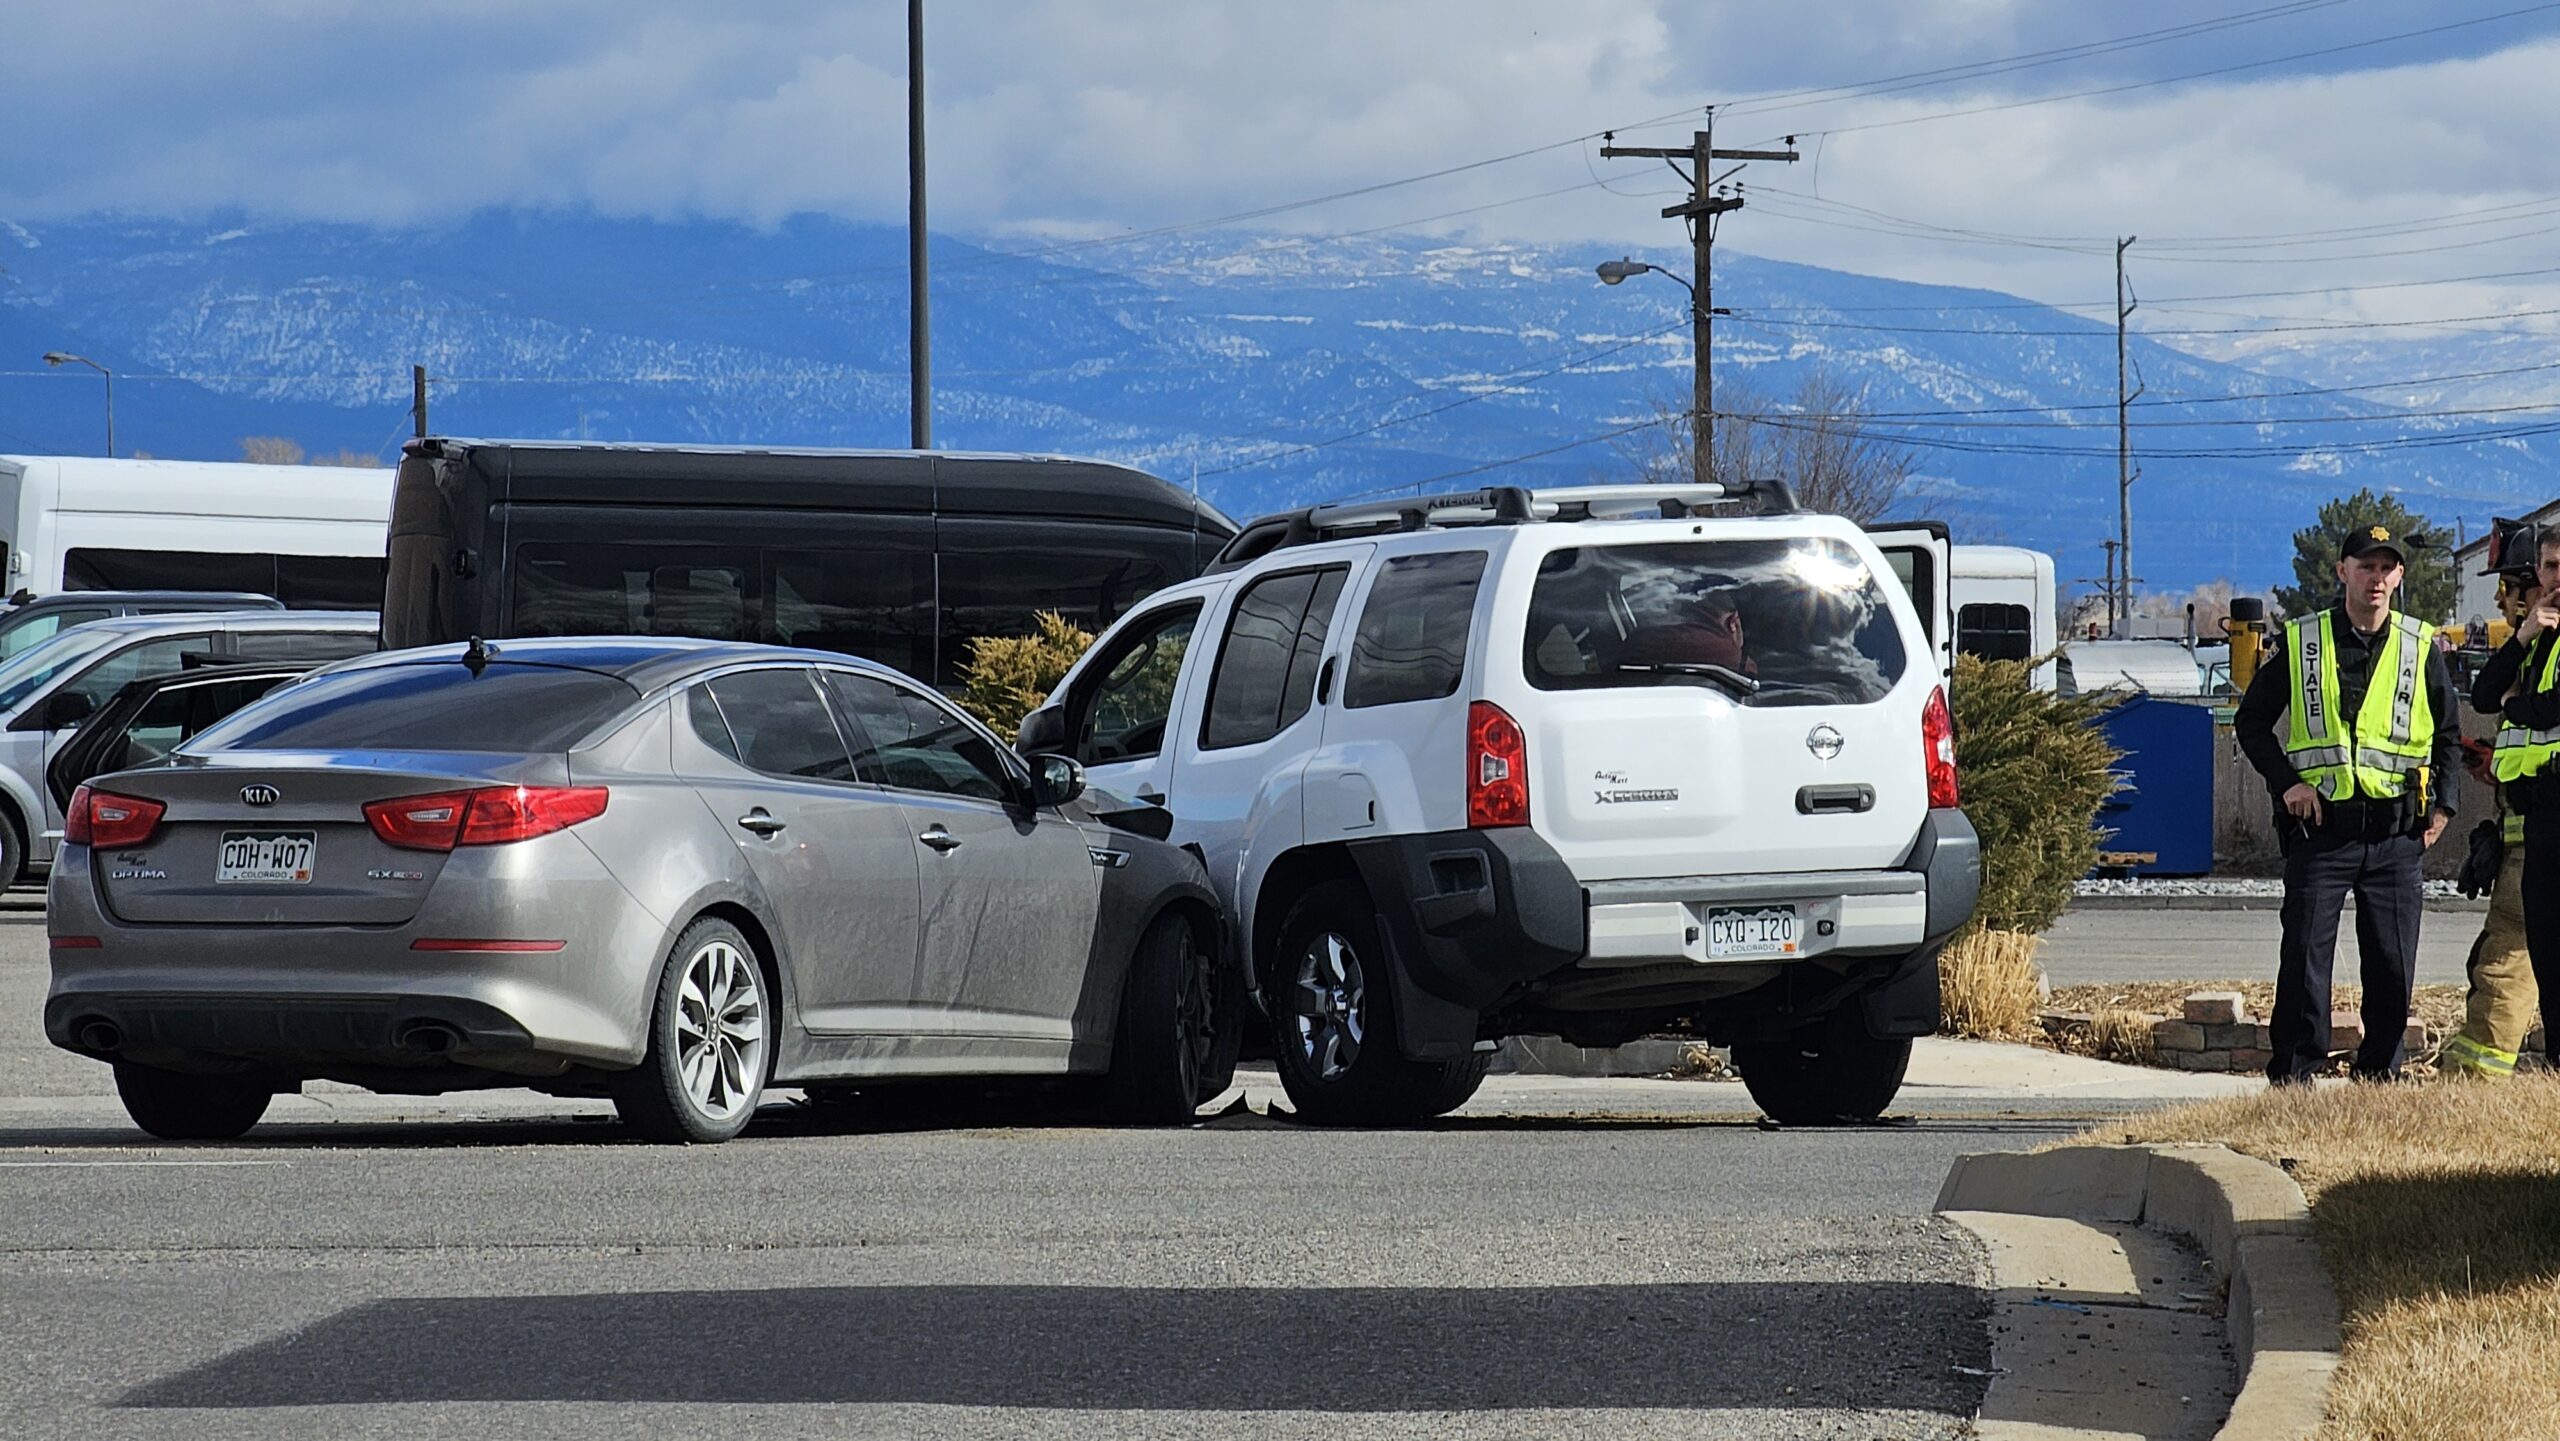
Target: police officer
2522	682
2499	1008
2357	735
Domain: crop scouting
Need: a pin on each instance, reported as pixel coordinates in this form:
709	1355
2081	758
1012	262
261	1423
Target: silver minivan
46	692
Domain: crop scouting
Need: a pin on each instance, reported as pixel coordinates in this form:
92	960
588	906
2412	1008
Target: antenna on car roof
476	655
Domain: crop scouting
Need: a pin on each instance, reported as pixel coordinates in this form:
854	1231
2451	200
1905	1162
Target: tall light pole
64	357
1702	431
919	320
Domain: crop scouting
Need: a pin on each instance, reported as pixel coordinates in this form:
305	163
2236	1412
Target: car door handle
760	821
940	840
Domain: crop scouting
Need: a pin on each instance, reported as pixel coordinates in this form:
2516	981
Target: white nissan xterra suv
1596	763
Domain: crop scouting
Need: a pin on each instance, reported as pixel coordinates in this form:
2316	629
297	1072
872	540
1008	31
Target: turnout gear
2389	740
2524	752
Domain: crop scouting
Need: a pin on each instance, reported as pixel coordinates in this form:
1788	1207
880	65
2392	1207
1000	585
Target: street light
64	357
1702	434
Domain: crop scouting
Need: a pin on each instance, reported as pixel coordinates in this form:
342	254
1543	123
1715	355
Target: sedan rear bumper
319	1000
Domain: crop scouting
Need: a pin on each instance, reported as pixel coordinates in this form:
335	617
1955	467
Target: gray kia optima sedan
668	871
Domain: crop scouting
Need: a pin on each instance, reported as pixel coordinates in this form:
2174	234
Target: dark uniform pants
2319	874
2542	918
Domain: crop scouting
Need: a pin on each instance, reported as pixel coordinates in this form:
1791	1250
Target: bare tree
351	459
1816	441
270	450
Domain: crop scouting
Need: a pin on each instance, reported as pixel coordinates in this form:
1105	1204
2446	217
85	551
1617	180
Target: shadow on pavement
1359	1349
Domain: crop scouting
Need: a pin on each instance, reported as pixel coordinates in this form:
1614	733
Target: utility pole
919	320
418	397
1700	211
2125	473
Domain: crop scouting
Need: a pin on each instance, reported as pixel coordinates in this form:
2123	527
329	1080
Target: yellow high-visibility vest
2392	734
2521	752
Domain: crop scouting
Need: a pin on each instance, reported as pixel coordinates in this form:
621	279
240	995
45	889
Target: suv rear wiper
1731	679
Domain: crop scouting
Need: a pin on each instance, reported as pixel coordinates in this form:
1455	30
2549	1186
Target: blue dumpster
2165	810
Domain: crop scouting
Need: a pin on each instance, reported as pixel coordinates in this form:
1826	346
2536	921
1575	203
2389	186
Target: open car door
150	718
1920	554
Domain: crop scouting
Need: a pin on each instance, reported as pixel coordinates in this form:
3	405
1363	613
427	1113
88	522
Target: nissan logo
1824	741
261	795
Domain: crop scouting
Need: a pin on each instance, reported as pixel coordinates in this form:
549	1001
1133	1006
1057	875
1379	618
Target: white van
2003	597
312	536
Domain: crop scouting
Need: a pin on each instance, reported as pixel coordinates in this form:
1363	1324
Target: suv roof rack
1492	505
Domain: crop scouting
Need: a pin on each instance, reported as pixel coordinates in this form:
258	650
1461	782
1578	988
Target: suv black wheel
1334	1026
180	1107
1826	1072
1165	1051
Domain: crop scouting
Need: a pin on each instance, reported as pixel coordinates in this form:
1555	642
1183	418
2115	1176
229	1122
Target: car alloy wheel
720	1030
1332	1006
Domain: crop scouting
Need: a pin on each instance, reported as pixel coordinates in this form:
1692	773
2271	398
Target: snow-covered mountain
1276	370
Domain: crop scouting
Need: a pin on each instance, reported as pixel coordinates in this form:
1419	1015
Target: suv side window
1412	640
151	657
782	727
903	739
1266	675
1122	716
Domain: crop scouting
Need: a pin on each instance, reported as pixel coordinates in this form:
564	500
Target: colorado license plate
267	858
1757	933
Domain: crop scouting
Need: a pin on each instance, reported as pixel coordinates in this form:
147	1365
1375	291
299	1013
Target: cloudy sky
2377	153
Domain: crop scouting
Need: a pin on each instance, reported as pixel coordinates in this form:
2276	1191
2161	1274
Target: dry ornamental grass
1989	987
2438	1209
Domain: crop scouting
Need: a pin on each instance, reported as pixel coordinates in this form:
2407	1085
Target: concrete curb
2435	904
2247	1217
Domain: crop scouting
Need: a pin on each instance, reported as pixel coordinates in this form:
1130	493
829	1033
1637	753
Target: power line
1521	384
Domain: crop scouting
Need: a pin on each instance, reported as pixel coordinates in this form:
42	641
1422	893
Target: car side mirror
65	709
1055	780
1043	732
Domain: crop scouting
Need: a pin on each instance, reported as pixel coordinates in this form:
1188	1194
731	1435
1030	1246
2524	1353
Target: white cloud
1085	118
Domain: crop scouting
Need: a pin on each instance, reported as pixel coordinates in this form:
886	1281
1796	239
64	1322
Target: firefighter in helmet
2499	1010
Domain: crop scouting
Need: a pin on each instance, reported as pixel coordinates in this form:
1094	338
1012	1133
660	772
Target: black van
897	556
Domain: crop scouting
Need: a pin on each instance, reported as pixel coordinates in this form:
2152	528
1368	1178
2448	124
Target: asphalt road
1614	1258
2196	945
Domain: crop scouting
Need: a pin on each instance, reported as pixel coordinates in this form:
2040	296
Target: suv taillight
103	818
1938	751
1497	768
490	816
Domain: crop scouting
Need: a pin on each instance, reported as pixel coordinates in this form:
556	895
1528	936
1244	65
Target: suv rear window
1794	622
438	707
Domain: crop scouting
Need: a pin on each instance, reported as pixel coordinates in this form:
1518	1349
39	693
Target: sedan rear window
1792	622
435	707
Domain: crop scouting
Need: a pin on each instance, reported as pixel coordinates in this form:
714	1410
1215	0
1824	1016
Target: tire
179	1107
1334	1025
701	1080
1824	1073
13	850
1166	1039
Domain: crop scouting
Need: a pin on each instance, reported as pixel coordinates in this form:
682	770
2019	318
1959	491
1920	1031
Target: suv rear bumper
1470	916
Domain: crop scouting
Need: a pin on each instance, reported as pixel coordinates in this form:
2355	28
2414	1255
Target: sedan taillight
103	818
489	816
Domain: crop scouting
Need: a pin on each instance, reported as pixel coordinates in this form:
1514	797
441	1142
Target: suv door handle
1848	800
940	839
760	821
